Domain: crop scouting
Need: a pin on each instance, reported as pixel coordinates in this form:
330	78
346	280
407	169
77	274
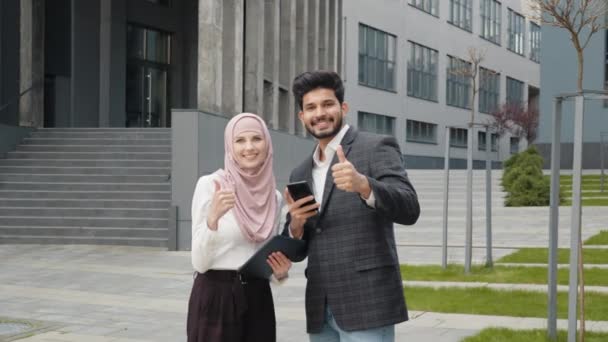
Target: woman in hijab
234	211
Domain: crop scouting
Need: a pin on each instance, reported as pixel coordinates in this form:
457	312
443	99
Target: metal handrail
17	98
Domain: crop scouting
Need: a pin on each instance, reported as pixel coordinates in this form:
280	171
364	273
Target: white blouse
225	248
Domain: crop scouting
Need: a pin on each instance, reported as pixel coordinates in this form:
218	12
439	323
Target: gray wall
9	61
198	149
558	75
85	64
86	47
11	136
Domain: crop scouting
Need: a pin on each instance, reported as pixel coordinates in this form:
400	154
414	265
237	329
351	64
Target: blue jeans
331	332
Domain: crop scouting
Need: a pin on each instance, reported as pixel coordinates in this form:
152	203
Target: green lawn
599	239
589	182
541	255
589	202
498	274
485	301
590	194
509	335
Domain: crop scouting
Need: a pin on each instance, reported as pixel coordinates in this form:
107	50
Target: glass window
160	2
514	145
490	20
481	141
461	13
429	6
422	72
376	58
489	90
376	123
535	42
423	132
458	137
516	32
458	90
515	91
147	44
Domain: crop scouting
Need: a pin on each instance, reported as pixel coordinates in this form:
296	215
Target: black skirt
224	307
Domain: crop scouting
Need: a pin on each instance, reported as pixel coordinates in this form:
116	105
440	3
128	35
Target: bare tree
468	70
582	19
475	57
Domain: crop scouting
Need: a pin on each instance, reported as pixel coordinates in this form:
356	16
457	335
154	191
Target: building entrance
148	62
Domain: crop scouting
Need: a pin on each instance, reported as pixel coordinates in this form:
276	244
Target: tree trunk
581	61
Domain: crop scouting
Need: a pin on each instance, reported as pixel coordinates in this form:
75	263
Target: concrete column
254	57
9	61
105	53
334	38
324	28
232	56
275	57
340	40
313	35
31	104
210	56
287	67
302	47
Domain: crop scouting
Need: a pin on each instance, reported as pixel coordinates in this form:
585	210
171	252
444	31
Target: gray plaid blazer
352	257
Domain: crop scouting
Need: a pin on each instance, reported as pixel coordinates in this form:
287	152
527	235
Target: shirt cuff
291	234
371	201
276	281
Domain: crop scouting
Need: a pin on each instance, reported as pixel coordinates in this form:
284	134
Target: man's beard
332	133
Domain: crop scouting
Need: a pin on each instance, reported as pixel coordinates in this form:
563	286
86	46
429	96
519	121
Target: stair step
78	240
86	195
85	186
96	141
8	178
94	148
64	162
89	203
102	135
91	155
105	129
131	222
105	232
84	212
61	170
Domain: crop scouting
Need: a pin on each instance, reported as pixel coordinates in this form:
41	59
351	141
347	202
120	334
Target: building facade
559	76
400	63
115	63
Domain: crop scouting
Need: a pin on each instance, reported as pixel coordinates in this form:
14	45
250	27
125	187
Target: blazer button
319	230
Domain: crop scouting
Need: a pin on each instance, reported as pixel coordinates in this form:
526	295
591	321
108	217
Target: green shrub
523	180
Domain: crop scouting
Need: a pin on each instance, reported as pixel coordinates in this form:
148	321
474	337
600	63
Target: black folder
257	266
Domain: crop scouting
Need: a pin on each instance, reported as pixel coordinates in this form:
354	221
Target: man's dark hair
311	80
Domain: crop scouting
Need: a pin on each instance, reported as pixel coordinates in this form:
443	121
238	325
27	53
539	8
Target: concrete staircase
87	186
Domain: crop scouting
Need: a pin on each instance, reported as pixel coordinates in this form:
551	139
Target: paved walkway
131	294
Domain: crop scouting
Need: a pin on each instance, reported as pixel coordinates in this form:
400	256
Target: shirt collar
331	147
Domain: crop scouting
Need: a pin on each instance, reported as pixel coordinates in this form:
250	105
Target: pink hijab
256	204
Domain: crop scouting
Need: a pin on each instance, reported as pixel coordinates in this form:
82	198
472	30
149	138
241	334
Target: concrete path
134	294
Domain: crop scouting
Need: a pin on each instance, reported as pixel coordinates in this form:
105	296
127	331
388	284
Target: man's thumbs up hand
340	152
347	178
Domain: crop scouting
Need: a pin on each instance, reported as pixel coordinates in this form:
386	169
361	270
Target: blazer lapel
329	179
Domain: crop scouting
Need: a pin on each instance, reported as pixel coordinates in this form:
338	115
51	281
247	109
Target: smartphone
299	190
